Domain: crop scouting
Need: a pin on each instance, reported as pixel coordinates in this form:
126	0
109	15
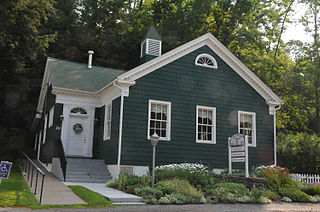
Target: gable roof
217	47
77	76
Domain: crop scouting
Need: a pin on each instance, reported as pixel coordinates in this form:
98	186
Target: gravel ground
189	208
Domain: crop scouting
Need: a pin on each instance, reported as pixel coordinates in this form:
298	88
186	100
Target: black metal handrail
62	156
28	167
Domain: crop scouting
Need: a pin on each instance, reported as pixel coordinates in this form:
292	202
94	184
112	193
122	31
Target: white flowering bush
197	174
185	166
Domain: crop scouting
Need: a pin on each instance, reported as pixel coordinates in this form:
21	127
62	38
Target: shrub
245	199
286	199
311	190
128	183
278	177
230	192
148	193
169	199
263	200
313	199
196	174
152	201
179	187
294	194
295	151
272	195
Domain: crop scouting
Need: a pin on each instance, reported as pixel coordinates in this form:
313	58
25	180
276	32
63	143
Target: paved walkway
54	191
115	196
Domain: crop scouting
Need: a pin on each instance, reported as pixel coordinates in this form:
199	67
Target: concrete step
86	170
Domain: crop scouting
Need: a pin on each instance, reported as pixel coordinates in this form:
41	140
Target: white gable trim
44	87
213	43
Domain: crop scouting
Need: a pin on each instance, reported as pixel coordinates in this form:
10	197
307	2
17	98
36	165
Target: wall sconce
61	118
96	121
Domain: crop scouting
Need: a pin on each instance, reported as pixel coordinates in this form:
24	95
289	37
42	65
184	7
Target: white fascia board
44	87
213	43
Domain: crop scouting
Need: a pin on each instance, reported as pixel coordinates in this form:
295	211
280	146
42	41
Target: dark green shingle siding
186	85
107	150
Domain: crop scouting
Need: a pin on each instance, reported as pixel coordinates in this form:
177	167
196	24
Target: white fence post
310	179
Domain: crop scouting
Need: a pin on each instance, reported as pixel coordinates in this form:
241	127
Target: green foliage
313	199
169	199
263	200
295	151
311	190
278	177
148	193
294	194
197	177
270	194
286	199
129	183
179	186
230	192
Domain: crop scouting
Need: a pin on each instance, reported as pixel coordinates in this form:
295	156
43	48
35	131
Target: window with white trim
51	114
107	122
159	119
206	60
206	125
247	126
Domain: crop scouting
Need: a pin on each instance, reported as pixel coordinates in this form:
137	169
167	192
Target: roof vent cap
90	52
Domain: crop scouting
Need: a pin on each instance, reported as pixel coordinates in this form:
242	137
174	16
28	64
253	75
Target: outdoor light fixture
61	118
154	142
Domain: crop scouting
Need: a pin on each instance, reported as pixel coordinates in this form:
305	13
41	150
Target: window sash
159	119
205	124
247	126
107	125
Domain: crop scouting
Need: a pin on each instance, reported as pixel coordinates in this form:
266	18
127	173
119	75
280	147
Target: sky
295	30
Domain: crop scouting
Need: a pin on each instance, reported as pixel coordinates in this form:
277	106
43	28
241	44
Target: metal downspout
120	129
275	134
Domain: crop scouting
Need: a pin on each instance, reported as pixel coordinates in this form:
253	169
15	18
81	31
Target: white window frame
107	122
45	128
253	114
215	64
213	132
168	129
51	115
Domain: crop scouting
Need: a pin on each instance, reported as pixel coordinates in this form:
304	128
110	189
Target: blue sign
5	168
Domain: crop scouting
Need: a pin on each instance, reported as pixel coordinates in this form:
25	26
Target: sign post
5	168
238	151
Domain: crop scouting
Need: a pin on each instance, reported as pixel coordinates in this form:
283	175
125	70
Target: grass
15	192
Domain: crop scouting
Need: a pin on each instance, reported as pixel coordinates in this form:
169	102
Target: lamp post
154	142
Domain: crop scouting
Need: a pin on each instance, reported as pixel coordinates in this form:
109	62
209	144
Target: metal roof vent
90	52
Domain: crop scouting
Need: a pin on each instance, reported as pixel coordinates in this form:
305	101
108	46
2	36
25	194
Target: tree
23	39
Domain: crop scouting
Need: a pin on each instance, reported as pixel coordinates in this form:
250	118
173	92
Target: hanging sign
5	168
238	151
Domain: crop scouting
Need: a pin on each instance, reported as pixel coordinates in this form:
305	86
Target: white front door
78	136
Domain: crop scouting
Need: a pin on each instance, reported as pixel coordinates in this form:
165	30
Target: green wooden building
193	97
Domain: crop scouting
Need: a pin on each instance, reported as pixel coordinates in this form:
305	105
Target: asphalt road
188	208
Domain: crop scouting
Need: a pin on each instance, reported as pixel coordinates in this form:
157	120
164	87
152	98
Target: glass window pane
203	129
151	132
199	136
199	120
158	132
152	124
249	140
163	133
163	125
209	129
199	129
209	136
205	120
153	115
158	124
241	124
153	107
210	120
158	115
241	131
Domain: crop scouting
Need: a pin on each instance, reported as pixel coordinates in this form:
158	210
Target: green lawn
15	192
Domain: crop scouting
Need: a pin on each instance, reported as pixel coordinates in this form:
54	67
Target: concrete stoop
87	171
